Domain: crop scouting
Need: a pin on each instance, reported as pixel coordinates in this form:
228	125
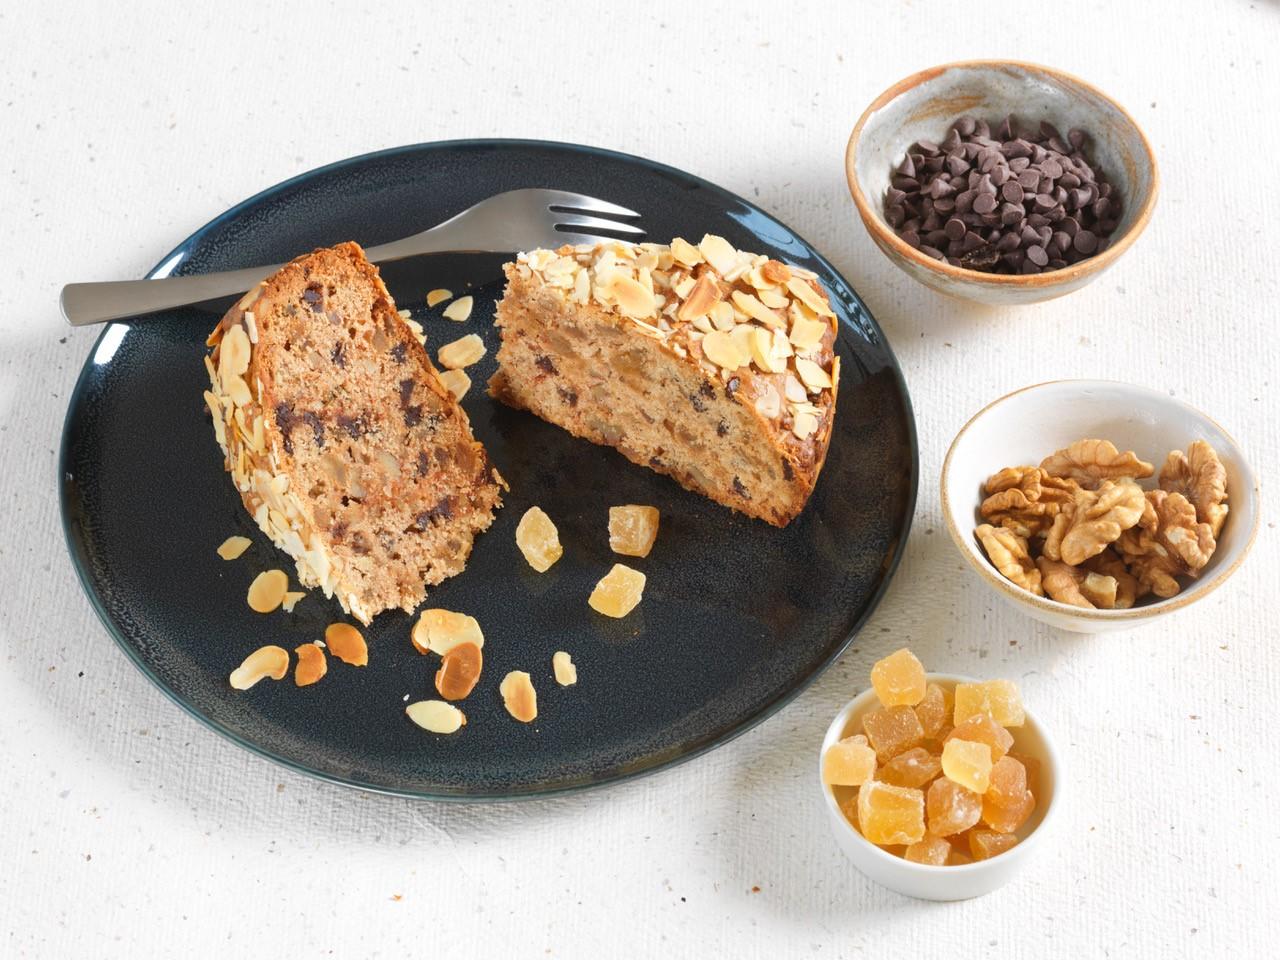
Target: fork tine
580	201
596	223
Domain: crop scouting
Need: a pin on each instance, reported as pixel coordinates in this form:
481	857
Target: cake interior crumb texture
345	446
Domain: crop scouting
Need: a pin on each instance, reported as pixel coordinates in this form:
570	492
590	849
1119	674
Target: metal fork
507	222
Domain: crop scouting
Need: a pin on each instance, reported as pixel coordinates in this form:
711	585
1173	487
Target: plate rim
178	255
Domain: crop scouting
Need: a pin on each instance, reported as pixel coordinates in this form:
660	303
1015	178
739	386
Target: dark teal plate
737	616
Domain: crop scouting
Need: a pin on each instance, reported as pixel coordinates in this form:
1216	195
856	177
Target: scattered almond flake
439	631
618	592
719	253
312	664
233	547
756	310
439	295
631	297
404	314
251	326
769	404
805	293
722	315
804	425
347	644
720	348
291	599
459	310
773	299
703	324
795	390
581	287
807	334
238	390
538	539
812	375
835	373
703	295
233	354
456	382
463	352
682	251
269	661
436	716
565	670
267	590
762	352
459	671
519	697
775	272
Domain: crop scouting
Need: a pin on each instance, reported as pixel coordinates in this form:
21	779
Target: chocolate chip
355	427
546	365
984	203
955	228
337	356
1085	241
398	352
424	463
1036	254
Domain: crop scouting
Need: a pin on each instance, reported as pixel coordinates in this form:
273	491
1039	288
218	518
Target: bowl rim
883	234
1051	759
1146	611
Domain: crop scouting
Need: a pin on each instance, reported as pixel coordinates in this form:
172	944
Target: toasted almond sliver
438	295
436	716
459	310
805	293
807	334
347	644
812	375
720	253
684	252
631	296
291	598
439	631
233	353
565	670
519	697
456	382
722	315
233	547
238	390
704	295
762	351
775	271
312	664
269	661
462	352
721	349
756	310
804	425
268	590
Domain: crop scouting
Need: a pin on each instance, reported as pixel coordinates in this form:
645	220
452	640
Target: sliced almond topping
347	644
581	287
795	390
682	251
773	299
775	272
630	296
518	696
233	547
720	348
463	352
269	661
769	404
233	354
565	670
756	310
251	326
762	351
804	425
439	631
720	253
456	382
459	310
804	292
812	375
683	286
436	716
237	390
268	590
312	664
704	295
807	334
438	295
459	671
291	599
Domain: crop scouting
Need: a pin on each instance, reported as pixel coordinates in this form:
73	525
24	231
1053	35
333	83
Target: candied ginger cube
968	764
1032	766
538	539
618	591
892	730
933	710
1007	817
985	844
912	768
980	728
1008	781
888	814
999	699
899	679
931	850
633	529
951	807
849	762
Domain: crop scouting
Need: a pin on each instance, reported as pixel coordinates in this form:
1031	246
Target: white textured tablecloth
130	830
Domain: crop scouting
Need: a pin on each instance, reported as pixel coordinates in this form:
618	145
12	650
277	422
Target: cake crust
346	448
710	365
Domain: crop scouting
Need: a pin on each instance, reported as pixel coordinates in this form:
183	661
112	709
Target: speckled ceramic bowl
925	104
957	881
1029	424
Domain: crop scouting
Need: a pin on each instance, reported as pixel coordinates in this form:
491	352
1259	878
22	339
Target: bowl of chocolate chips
1000	182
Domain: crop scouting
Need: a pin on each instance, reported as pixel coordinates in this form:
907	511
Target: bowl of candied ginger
1094	506
939	787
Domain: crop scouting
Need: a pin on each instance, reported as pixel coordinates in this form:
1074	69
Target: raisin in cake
711	365
345	447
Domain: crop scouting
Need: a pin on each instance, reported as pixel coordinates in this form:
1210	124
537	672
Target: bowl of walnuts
1095	506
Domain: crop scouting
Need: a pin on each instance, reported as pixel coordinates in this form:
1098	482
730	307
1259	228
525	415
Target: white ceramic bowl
1029	424
960	882
925	104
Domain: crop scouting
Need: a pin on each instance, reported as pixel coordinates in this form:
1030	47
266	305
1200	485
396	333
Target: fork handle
84	304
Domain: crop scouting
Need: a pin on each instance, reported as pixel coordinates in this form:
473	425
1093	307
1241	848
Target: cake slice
345	446
713	366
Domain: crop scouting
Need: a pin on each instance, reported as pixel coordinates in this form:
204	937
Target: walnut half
1168	542
1199	476
1095	519
1090	462
1010	556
